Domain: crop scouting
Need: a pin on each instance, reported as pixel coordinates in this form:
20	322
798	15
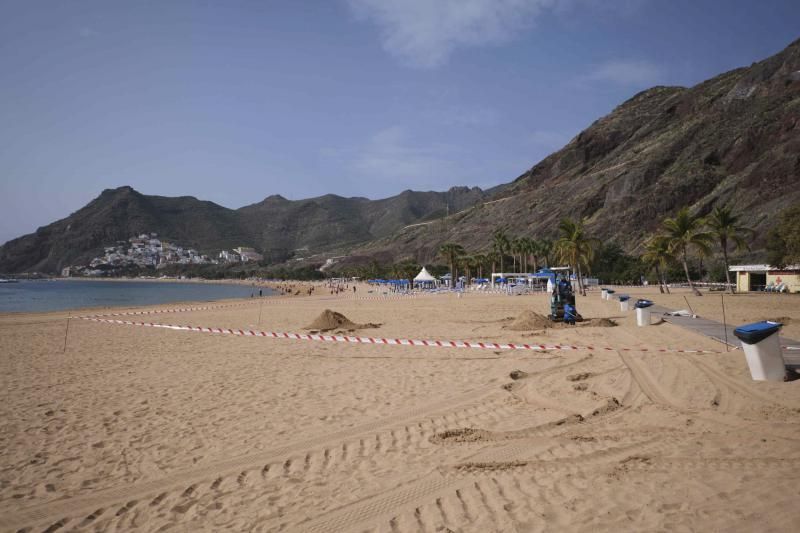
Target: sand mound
329	320
529	320
599	323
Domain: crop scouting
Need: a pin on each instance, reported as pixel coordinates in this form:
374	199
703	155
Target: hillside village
148	251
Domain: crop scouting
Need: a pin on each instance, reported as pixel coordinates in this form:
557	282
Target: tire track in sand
13	518
720	379
86	505
646	383
389	505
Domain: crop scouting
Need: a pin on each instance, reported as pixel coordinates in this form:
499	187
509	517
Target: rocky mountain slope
732	139
276	225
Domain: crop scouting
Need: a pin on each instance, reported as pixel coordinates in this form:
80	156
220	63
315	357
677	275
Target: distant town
148	251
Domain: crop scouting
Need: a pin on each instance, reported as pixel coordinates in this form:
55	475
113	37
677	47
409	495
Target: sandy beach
154	429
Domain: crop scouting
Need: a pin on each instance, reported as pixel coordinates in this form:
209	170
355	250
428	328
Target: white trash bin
624	304
643	312
603	294
762	350
609	295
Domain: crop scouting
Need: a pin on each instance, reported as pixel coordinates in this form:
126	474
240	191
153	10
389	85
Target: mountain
118	214
732	139
276	225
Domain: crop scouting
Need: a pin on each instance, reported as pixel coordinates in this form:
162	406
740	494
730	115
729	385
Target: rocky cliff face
732	139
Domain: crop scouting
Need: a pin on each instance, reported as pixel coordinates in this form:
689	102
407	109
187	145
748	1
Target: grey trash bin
762	350
624	302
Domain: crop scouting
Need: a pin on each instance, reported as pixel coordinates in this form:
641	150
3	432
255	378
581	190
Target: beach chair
769	286
780	287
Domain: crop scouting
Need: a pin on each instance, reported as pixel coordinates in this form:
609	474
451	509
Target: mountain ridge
274	225
732	139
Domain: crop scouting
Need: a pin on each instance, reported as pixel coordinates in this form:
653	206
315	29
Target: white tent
424	276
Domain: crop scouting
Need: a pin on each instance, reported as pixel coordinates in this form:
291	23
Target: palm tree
480	260
527	247
531	253
452	251
500	245
657	255
575	247
405	269
517	246
545	250
683	233
725	227
468	263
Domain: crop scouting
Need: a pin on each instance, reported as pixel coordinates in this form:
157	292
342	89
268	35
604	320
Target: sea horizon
35	296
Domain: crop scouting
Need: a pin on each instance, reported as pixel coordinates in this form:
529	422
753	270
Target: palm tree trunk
580	281
727	272
452	274
666	285
660	280
688	278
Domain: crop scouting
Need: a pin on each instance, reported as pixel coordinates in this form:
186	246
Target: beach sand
155	429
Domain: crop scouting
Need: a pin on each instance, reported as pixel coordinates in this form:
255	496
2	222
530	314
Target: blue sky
233	101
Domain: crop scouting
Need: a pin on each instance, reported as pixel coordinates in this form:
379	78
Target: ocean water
31	296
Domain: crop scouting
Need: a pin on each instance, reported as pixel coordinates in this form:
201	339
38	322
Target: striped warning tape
173	310
384	341
388	297
271	299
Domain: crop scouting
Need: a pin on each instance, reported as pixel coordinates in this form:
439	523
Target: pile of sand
329	320
529	320
599	323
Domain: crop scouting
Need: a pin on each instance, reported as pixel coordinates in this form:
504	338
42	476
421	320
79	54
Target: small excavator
562	300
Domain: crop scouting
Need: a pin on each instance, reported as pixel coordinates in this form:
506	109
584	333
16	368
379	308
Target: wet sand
151	429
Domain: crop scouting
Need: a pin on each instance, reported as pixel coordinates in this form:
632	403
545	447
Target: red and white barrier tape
271	299
384	341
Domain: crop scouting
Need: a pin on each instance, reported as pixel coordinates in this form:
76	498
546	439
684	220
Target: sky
232	101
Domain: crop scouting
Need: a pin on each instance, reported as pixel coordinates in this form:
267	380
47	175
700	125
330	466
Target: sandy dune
151	429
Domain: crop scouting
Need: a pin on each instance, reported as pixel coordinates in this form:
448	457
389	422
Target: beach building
767	278
248	254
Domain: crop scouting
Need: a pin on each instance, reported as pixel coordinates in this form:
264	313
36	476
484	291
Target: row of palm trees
574	247
677	239
687	233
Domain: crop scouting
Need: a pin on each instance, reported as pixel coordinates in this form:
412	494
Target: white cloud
424	33
624	72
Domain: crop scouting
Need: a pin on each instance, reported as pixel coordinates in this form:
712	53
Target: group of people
339	288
